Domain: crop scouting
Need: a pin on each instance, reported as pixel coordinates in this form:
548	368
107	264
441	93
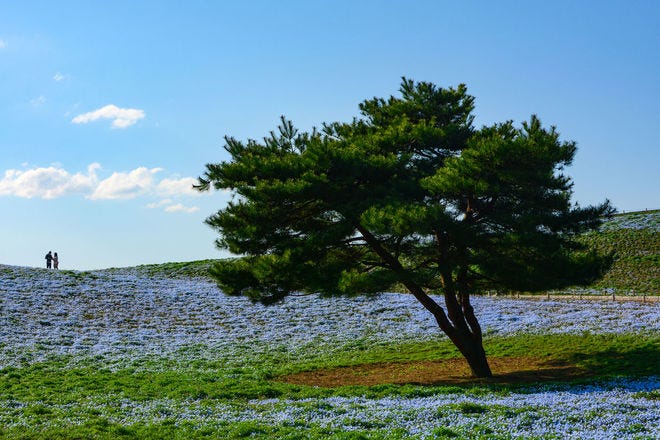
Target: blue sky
110	110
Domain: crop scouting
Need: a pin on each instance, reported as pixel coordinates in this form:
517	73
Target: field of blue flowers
127	323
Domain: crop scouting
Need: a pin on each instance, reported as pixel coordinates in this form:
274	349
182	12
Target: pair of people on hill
52	260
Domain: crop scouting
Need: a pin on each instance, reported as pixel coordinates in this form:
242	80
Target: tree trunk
464	331
474	353
467	340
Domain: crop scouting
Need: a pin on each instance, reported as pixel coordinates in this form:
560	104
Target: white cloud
121	117
47	183
183	186
129	185
3	44
180	208
59	77
54	181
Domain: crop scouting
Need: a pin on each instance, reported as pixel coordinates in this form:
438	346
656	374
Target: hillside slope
633	237
635	240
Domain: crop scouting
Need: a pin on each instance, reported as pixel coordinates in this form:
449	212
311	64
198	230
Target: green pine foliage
402	195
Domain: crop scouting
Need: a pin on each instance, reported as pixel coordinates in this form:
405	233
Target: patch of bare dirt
506	370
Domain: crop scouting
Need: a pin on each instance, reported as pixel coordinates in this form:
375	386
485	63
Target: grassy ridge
636	267
190	269
633	237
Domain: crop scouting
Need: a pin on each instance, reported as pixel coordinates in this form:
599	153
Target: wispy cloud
3	44
54	181
59	77
168	205
162	203
121	117
38	101
181	208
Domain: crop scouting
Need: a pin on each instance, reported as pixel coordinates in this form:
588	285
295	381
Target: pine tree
410	195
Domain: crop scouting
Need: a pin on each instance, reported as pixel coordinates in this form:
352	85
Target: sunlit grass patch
58	382
232	403
636	266
651	395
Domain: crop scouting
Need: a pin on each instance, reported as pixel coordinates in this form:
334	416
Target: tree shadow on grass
506	370
641	361
638	361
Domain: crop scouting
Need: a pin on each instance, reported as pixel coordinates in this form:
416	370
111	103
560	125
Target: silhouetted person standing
56	261
49	259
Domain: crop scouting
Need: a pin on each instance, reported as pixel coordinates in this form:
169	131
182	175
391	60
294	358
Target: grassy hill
634	237
189	269
635	240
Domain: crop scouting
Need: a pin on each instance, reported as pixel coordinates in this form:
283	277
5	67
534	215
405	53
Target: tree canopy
409	194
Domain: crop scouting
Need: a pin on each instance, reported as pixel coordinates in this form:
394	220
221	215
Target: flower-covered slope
116	312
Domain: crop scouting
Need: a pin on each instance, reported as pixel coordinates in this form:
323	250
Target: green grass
55	390
188	269
602	356
636	266
102	428
56	381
